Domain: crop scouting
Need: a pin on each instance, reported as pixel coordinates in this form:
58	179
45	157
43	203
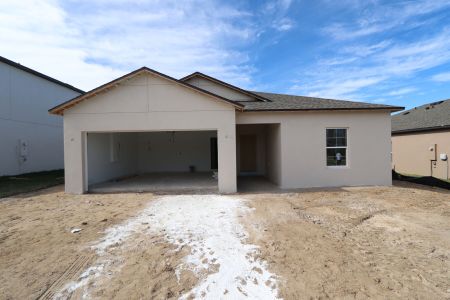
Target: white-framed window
337	149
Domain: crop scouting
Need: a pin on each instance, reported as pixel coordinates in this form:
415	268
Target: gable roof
59	109
282	102
263	101
431	116
223	83
38	74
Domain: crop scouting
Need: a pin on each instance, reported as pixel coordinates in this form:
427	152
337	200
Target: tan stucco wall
411	153
148	103
219	89
303	147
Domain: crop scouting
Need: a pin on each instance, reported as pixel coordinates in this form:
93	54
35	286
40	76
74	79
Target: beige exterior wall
148	103
411	153
219	89
302	149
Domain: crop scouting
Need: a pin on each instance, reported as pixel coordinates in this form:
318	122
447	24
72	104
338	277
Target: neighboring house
148	122
30	139
421	140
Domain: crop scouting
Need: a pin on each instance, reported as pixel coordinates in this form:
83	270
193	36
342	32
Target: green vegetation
12	185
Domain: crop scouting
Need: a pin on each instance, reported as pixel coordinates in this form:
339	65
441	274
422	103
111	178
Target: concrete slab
256	184
198	182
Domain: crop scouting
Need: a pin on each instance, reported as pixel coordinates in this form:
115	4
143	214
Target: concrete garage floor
164	183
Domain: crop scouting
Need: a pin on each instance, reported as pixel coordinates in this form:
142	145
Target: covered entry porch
258	155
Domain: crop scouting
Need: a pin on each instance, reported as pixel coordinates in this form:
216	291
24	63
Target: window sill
337	167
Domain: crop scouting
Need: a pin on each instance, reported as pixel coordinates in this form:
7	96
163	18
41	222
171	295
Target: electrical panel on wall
23	151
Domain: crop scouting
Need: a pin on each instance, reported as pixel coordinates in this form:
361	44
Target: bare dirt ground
391	242
379	242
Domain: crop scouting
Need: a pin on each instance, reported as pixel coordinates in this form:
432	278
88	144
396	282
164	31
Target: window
336	146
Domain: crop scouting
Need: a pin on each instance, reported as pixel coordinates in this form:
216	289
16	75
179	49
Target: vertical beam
74	161
226	144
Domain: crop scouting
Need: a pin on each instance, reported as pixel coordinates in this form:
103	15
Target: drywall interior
174	151
121	154
111	156
259	130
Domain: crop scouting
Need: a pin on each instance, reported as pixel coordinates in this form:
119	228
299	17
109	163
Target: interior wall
174	151
273	153
103	164
260	132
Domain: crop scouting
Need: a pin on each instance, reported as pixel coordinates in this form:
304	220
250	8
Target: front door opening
258	155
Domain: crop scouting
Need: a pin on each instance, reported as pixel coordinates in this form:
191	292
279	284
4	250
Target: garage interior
152	161
258	157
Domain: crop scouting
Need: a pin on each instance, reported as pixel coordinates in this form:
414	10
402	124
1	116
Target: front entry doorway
248	154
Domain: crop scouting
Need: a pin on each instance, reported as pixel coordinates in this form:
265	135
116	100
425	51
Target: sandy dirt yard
378	242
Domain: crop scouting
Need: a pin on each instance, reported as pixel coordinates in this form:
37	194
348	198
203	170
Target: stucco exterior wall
303	147
24	102
411	153
219	89
149	103
273	153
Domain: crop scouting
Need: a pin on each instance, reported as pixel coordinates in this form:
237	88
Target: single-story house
149	123
31	140
421	140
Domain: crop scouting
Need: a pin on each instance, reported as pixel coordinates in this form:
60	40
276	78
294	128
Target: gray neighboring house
421	140
146	127
31	139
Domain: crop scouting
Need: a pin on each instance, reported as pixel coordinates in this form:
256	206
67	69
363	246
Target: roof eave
39	74
413	130
391	109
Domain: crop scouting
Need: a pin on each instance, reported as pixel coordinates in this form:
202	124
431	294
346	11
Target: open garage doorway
258	156
167	161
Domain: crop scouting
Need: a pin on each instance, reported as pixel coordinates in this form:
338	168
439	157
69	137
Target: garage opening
169	161
258	156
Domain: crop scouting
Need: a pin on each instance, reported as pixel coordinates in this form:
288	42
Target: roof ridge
424	105
249	93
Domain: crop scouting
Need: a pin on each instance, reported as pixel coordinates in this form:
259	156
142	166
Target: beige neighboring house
421	140
149	123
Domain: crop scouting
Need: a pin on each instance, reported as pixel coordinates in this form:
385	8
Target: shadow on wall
424	180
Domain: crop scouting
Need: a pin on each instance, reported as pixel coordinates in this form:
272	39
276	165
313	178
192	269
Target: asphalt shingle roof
430	116
283	102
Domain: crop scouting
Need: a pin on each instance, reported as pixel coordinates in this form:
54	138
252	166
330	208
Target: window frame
347	161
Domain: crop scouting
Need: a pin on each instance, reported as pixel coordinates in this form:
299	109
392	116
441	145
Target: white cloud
347	74
89	43
377	18
277	11
442	77
403	91
283	24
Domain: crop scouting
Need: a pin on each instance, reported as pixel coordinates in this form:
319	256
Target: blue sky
391	52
